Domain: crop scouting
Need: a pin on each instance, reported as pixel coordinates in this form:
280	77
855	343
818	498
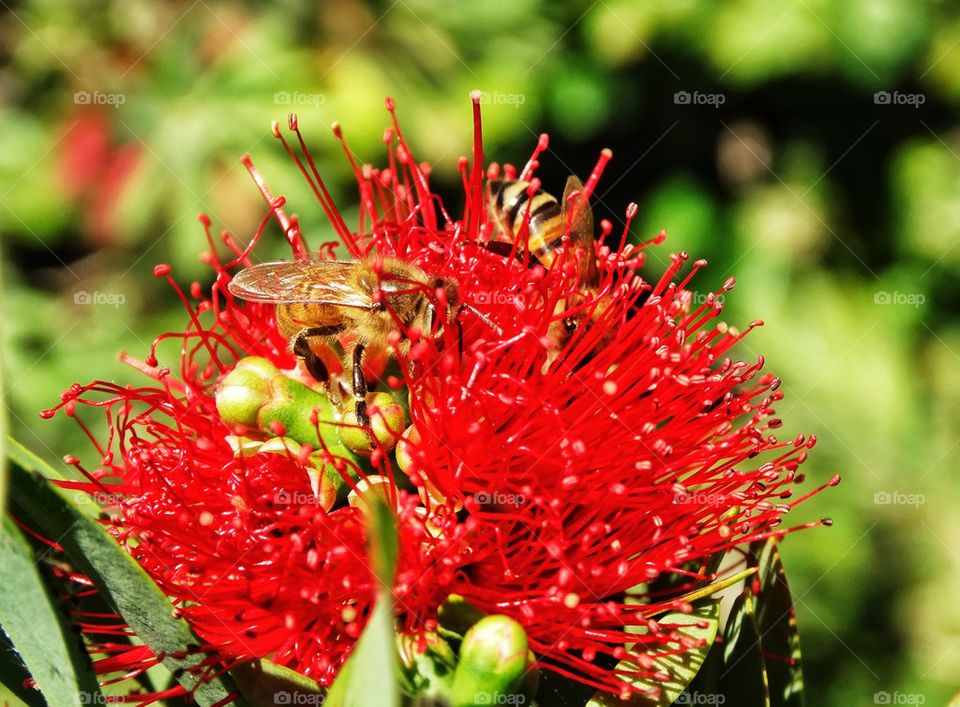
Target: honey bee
321	300
546	238
547	226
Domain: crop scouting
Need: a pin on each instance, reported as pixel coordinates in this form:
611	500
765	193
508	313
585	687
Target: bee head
451	293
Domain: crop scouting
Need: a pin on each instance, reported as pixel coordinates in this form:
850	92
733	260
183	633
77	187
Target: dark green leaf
14	677
264	683
52	653
706	680
777	623
762	647
3	408
743	679
702	626
456	615
128	588
19	455
559	691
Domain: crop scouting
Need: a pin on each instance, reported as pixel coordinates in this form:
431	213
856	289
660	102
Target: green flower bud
256	394
408	442
370	485
332	477
243	391
493	660
280	445
427	673
387	420
291	405
244	446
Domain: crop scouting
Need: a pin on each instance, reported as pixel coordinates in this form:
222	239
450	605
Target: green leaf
456	615
123	582
383	544
762	650
560	691
744	677
761	660
701	625
369	677
706	680
266	683
3	405
14	677
20	456
51	652
777	623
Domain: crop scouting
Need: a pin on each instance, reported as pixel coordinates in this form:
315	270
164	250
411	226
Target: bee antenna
483	317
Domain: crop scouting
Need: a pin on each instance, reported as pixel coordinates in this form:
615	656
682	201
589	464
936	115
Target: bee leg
360	387
301	348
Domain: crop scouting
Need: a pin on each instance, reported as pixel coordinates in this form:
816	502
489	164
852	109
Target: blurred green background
810	148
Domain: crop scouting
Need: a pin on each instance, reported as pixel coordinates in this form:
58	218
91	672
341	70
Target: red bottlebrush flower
96	172
548	475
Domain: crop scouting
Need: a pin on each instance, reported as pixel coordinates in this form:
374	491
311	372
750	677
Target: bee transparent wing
577	208
311	282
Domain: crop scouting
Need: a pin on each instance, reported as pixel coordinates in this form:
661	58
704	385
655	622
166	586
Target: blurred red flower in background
94	170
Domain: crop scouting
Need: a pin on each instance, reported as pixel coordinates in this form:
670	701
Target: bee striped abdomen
510	200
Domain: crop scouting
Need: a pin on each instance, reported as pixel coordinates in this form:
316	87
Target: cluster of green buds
276	414
494	664
473	659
